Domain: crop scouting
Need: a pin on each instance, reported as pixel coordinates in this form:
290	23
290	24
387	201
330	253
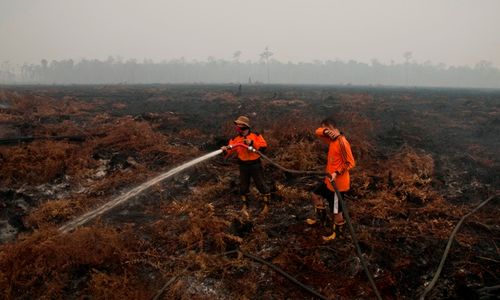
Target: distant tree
484	64
25	73
236	56
378	69
7	73
211	59
265	56
407	55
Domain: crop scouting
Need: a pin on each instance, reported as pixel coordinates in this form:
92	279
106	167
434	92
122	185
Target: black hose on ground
448	246
355	240
167	284
351	230
358	249
285	274
346	214
174	278
257	259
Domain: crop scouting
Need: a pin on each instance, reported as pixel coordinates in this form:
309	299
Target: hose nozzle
251	148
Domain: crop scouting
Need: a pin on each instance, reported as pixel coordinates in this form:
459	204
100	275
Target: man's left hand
333	176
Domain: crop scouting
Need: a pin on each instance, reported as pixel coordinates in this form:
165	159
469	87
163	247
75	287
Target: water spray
132	193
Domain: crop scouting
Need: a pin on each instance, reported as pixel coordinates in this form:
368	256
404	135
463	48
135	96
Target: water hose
448	246
257	259
250	148
351	229
342	203
285	274
355	240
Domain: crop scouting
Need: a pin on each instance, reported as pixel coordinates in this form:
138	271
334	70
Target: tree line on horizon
266	70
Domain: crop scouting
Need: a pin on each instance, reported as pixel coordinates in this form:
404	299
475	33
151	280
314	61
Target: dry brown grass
122	286
395	202
200	226
54	212
45	160
404	179
33	107
224	97
45	263
35	163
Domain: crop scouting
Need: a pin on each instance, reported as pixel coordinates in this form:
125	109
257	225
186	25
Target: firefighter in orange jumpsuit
339	161
249	162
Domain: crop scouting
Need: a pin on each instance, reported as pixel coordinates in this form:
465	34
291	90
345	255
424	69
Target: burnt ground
425	158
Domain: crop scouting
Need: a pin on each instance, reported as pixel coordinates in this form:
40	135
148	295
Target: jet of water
132	193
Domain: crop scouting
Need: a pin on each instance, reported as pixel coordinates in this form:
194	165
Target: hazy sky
455	32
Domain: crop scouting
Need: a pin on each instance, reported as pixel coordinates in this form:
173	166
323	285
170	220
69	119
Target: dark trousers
323	191
255	171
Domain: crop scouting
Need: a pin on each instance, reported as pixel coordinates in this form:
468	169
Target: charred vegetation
425	158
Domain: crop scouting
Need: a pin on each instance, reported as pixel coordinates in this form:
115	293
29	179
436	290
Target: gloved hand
333	134
333	176
226	148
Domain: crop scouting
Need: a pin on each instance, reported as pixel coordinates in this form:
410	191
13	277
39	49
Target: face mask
241	129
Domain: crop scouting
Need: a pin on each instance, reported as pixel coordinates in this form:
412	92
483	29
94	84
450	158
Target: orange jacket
340	160
244	155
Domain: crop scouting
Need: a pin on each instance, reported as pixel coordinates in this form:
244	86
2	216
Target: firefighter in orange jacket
249	161
340	161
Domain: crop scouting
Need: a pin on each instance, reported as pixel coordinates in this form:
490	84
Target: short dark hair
329	121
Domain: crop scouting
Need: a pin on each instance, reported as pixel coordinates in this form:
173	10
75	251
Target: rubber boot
320	212
266	198
340	227
337	229
332	236
244	208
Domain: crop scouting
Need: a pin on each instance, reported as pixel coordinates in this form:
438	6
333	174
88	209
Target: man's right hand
333	134
224	148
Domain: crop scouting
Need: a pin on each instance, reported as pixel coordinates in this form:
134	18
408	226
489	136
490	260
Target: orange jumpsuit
339	160
244	155
250	163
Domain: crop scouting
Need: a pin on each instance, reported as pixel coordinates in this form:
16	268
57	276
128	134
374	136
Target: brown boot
265	200
320	215
340	227
244	208
332	236
337	229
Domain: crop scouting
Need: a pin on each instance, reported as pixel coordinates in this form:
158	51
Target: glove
333	176
333	134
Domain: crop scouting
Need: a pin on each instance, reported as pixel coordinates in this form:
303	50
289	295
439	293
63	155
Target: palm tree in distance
407	55
264	56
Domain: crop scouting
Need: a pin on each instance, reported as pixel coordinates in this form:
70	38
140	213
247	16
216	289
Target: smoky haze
390	42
